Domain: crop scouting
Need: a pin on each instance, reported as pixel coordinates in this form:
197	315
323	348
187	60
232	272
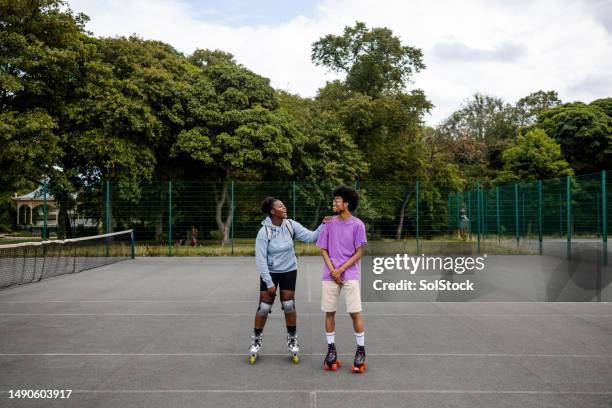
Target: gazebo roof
34	196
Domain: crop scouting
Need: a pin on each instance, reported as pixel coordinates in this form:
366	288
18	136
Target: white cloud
501	48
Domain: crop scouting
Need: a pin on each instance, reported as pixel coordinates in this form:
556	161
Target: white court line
212	314
493	355
355	391
248	301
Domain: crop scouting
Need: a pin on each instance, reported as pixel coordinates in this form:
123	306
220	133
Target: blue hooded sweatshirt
277	254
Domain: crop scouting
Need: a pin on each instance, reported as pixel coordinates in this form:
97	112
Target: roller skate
256	343
294	347
361	362
331	361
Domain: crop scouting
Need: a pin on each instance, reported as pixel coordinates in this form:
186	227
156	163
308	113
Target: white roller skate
256	343
294	347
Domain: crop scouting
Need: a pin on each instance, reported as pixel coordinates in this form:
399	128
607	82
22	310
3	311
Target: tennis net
34	261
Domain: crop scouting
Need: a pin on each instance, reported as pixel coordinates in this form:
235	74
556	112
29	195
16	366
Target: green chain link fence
567	217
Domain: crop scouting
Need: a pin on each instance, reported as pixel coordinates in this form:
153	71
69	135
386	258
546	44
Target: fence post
523	231
568	214
448	216
485	222
232	222
516	214
540	232
417	217
170	218
497	211
478	213
604	224
44	231
459	202
469	203
560	216
294	201
598	218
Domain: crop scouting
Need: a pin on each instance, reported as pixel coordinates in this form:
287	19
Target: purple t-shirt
341	239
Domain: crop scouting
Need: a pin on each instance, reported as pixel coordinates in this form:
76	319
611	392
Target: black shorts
286	280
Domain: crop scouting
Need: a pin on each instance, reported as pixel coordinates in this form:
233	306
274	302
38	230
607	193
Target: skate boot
256	343
361	362
331	361
294	347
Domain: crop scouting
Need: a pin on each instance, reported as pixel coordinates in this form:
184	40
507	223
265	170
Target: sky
502	48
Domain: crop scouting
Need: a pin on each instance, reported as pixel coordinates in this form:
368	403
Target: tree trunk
400	225
224	226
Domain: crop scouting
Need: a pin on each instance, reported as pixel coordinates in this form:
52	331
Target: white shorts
331	294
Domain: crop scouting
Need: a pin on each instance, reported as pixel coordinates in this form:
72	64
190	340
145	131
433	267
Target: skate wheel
339	362
296	359
252	360
334	367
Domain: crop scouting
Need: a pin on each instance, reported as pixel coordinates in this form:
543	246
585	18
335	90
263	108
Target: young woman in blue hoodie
277	265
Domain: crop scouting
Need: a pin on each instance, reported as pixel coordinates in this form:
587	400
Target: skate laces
292	340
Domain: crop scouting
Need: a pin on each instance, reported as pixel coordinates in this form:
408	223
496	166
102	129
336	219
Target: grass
246	247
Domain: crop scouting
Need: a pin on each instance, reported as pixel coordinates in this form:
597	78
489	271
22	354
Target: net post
497	211
604	221
232	220
568	213
540	232
417	217
478	213
44	231
132	245
516	214
107	216
169	217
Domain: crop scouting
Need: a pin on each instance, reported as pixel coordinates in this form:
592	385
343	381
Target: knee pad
288	306
264	309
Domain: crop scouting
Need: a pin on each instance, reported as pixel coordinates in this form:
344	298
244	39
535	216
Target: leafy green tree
325	157
41	57
535	156
529	107
605	104
584	133
484	119
235	131
374	60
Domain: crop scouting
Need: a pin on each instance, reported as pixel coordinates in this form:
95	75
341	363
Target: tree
605	104
535	156
326	156
484	119
584	133
41	57
235	130
529	107
374	60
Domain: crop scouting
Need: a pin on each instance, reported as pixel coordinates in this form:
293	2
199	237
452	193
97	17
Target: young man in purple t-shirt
341	241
